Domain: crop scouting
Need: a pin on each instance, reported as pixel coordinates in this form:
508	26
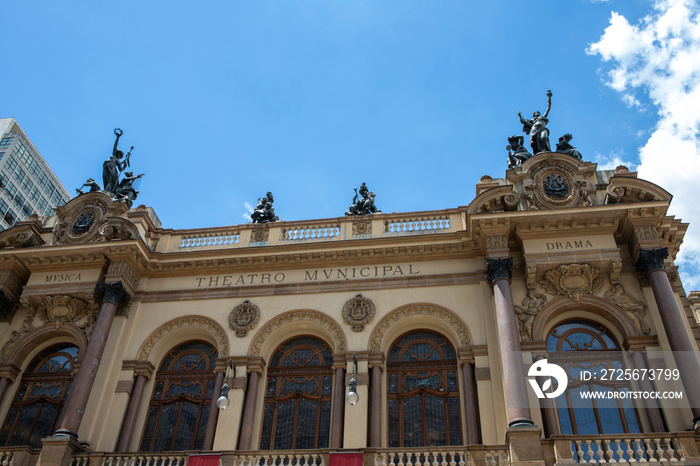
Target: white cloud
660	58
612	161
249	209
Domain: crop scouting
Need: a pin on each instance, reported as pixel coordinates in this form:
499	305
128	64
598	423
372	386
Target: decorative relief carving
259	234
573	280
27	326
645	232
124	270
511	201
614	194
358	312
190	321
555	183
298	316
21	236
615	271
361	226
59	310
631	306
244	318
526	313
90	218
496	242
423	310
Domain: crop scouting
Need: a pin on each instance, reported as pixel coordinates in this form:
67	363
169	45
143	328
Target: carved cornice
573	280
499	268
358	312
244	318
21	236
419	310
324	321
144	368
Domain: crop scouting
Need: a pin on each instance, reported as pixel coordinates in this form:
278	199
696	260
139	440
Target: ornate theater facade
403	339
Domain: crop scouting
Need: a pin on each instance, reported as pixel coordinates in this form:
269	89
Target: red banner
345	459
203	460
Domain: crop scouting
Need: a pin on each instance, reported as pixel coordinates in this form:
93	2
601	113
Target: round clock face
83	222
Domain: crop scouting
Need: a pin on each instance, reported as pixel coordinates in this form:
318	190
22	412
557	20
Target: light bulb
223	402
352	398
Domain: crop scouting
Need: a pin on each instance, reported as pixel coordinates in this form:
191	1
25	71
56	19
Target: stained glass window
423	392
179	408
578	412
297	411
37	405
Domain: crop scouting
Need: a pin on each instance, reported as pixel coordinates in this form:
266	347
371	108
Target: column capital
650	260
114	293
7	307
375	360
499	268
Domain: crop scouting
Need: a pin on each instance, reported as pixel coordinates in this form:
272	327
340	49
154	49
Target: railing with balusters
313	231
444	456
411	224
219	239
130	459
627	448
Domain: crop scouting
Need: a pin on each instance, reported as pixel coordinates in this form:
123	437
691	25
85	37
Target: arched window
39	401
581	345
297	411
423	391
179	409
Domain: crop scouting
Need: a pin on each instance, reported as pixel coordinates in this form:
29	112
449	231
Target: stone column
74	409
517	403
548	407
651	264
8	374
651	406
375	406
251	401
470	407
338	409
214	410
143	372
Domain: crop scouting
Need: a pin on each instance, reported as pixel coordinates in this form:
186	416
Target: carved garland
192	321
296	316
420	309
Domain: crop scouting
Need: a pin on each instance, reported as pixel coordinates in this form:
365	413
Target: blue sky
225	101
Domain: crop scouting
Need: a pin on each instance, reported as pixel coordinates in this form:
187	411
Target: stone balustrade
678	447
333	229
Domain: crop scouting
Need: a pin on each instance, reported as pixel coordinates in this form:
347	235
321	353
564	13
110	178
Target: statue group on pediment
112	169
536	128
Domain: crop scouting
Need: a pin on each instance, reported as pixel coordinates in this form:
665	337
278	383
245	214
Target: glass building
27	183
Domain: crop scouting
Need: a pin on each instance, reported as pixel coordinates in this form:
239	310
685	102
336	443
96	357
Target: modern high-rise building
27	183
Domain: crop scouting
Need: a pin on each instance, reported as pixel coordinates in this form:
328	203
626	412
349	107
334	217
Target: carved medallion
244	318
556	182
358	312
573	280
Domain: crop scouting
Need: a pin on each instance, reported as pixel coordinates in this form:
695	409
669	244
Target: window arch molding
590	308
412	317
177	331
283	328
27	347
